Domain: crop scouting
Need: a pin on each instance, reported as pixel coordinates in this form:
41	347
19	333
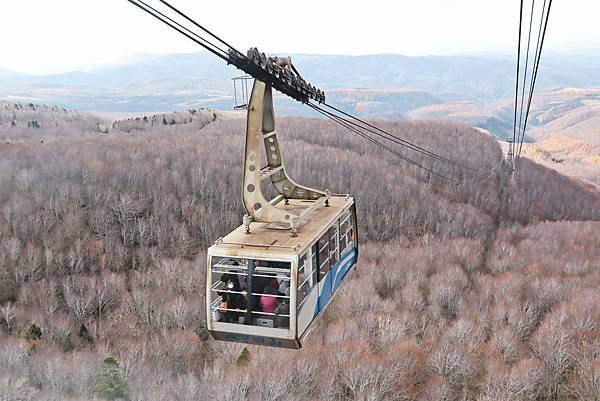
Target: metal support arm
261	128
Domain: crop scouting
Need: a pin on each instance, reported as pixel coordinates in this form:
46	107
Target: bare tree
586	385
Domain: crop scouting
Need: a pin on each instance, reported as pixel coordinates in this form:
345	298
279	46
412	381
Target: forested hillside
27	121
486	289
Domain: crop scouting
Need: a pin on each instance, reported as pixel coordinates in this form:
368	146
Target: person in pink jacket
268	303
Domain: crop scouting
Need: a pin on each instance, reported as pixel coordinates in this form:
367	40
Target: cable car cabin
267	287
268	280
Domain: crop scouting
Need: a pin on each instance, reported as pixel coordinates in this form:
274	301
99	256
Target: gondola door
326	259
307	296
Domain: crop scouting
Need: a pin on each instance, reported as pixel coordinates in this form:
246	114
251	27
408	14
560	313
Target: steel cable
525	69
353	129
395	139
514	140
535	73
356	124
181	29
199	26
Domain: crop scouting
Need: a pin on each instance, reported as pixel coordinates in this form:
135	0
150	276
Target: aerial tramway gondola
270	279
300	273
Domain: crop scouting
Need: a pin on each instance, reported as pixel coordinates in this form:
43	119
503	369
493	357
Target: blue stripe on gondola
347	260
334	277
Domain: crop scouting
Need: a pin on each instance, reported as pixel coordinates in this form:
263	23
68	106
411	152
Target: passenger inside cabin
231	299
283	284
283	309
259	283
240	278
268	303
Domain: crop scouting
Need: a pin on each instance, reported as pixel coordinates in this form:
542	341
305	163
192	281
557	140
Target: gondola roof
271	238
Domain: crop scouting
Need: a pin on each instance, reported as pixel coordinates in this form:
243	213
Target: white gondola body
313	279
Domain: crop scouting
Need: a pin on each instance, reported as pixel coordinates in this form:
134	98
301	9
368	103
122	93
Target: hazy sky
58	35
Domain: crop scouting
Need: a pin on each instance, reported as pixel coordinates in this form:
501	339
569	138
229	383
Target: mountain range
164	83
477	90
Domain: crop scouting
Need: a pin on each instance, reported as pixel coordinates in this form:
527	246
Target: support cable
535	74
357	123
525	69
395	139
517	81
198	25
208	42
179	28
353	129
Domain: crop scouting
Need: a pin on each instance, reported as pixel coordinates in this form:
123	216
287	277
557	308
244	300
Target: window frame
346	223
321	261
217	286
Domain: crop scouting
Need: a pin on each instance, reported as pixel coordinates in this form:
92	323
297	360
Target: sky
41	36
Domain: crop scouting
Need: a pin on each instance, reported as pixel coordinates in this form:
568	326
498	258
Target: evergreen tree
110	384
34	332
243	358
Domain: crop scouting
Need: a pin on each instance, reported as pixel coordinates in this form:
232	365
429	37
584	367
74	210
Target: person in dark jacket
232	298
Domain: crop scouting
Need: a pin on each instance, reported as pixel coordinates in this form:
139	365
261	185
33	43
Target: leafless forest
486	290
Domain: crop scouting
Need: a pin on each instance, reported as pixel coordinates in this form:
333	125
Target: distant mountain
176	67
572	111
567	155
566	127
164	83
